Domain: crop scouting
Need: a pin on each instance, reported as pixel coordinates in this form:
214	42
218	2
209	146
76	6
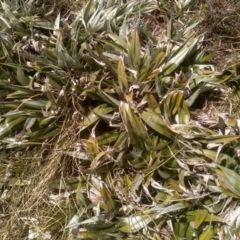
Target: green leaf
131	130
189	233
8	126
107	138
51	134
22	79
122	77
230	178
191	216
156	122
201	215
87	11
180	55
207	234
174	108
108	98
106	61
134	127
92	116
107	199
218	139
134	49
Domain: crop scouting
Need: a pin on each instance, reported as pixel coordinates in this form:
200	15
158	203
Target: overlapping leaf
104	96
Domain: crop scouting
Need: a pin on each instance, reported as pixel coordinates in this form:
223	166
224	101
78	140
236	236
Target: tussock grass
99	135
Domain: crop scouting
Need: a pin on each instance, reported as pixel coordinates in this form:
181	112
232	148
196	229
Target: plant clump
99	135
